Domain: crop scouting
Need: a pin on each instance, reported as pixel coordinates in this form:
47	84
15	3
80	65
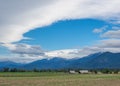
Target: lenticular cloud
19	17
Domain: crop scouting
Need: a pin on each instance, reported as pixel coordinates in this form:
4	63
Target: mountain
9	64
93	61
54	63
81	62
105	60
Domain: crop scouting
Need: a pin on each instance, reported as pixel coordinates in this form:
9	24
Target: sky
36	29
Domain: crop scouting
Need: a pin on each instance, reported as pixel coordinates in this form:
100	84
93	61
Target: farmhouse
83	71
72	72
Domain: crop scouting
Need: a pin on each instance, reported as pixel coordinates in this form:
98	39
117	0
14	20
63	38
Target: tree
116	71
95	71
5	69
106	71
35	70
13	70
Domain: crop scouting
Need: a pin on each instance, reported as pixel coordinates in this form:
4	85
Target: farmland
57	79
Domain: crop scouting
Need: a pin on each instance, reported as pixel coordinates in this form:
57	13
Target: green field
58	79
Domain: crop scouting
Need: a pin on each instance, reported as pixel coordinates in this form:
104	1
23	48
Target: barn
83	71
72	72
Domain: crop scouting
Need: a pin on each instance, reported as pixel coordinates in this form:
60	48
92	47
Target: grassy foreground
58	79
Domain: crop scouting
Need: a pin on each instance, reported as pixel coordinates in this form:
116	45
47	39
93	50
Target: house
83	71
72	72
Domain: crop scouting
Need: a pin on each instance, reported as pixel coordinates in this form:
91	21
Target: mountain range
93	61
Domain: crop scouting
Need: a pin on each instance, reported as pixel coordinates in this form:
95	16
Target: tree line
32	70
95	71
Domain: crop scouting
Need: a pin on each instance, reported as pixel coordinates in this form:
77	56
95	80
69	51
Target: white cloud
66	53
73	53
23	53
100	30
97	30
110	43
25	49
20	16
112	33
28	53
17	58
107	45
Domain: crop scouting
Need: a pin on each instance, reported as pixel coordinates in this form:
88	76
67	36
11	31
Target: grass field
58	79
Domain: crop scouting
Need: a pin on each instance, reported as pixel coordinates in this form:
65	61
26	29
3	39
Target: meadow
57	79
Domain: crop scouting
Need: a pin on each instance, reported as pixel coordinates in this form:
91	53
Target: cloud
112	33
27	53
106	45
24	49
100	30
73	53
20	16
110	43
23	53
66	53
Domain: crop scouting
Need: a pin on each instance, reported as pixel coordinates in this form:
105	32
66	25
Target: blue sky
58	28
66	34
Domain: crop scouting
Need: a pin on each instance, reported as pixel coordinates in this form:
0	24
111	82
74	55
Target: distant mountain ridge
9	64
93	61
